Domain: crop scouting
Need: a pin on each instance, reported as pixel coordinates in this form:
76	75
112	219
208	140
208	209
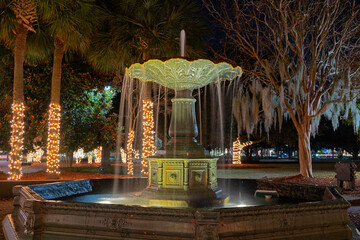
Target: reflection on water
235	201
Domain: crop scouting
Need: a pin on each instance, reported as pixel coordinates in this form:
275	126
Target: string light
237	147
16	141
90	157
30	157
97	153
136	154
129	159
53	139
148	135
79	154
36	155
123	155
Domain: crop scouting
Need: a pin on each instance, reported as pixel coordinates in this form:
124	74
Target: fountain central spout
182	43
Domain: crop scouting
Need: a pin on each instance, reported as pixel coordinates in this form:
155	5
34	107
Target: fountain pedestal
183	182
185	176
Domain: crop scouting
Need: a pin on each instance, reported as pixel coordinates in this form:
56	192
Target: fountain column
183	176
183	128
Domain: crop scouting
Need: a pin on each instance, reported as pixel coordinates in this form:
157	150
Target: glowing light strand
53	140
129	154
90	157
123	155
36	155
30	157
79	154
148	135
237	147
97	153
16	141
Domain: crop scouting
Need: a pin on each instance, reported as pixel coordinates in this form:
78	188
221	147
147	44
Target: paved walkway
4	167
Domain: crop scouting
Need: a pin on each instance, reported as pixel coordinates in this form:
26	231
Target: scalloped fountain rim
182	74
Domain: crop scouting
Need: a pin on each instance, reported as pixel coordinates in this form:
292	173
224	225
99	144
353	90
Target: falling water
125	123
221	115
157	113
200	116
118	159
214	102
165	116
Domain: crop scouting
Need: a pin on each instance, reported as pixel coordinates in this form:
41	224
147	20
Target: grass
278	170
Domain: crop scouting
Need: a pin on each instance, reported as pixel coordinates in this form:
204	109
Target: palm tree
25	13
138	30
70	23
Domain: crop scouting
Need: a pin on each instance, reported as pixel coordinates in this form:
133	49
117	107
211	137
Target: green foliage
137	30
87	121
70	20
82	97
6	71
8	23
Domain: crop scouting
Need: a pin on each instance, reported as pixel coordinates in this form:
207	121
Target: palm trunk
20	45
56	75
54	112
305	150
17	126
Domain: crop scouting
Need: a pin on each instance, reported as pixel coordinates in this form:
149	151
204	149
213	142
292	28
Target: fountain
185	175
182	197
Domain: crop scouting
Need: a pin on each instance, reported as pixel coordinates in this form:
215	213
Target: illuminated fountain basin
85	209
185	174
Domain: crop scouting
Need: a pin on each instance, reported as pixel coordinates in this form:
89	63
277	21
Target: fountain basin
51	211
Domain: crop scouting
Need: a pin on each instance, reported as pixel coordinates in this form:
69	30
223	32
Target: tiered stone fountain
181	199
185	175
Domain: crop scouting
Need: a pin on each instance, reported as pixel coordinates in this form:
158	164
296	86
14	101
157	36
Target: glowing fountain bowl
181	74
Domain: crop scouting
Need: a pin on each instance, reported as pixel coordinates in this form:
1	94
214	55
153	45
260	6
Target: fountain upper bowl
182	74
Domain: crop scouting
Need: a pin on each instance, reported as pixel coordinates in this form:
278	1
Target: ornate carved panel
173	177
153	174
198	177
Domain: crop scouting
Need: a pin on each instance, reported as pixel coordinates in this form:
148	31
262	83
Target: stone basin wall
323	217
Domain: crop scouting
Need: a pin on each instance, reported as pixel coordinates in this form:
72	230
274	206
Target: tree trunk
56	74
105	157
20	45
305	151
54	119
355	152
17	126
69	158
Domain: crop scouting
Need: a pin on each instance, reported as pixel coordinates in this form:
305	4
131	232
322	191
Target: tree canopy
305	62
